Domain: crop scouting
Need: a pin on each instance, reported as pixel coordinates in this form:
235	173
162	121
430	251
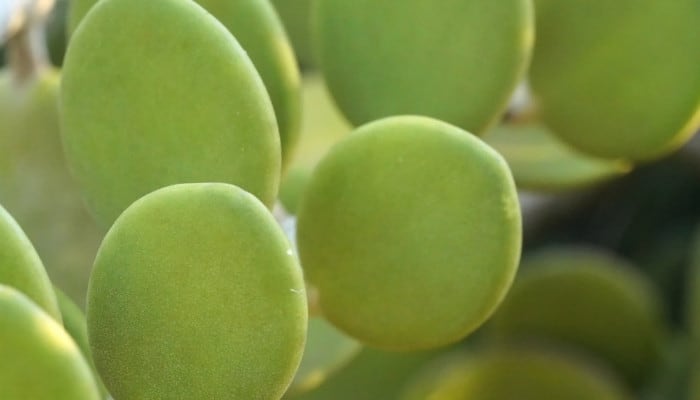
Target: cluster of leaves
330	199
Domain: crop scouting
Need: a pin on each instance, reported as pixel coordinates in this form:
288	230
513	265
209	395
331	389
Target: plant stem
312	300
27	54
12	17
523	108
